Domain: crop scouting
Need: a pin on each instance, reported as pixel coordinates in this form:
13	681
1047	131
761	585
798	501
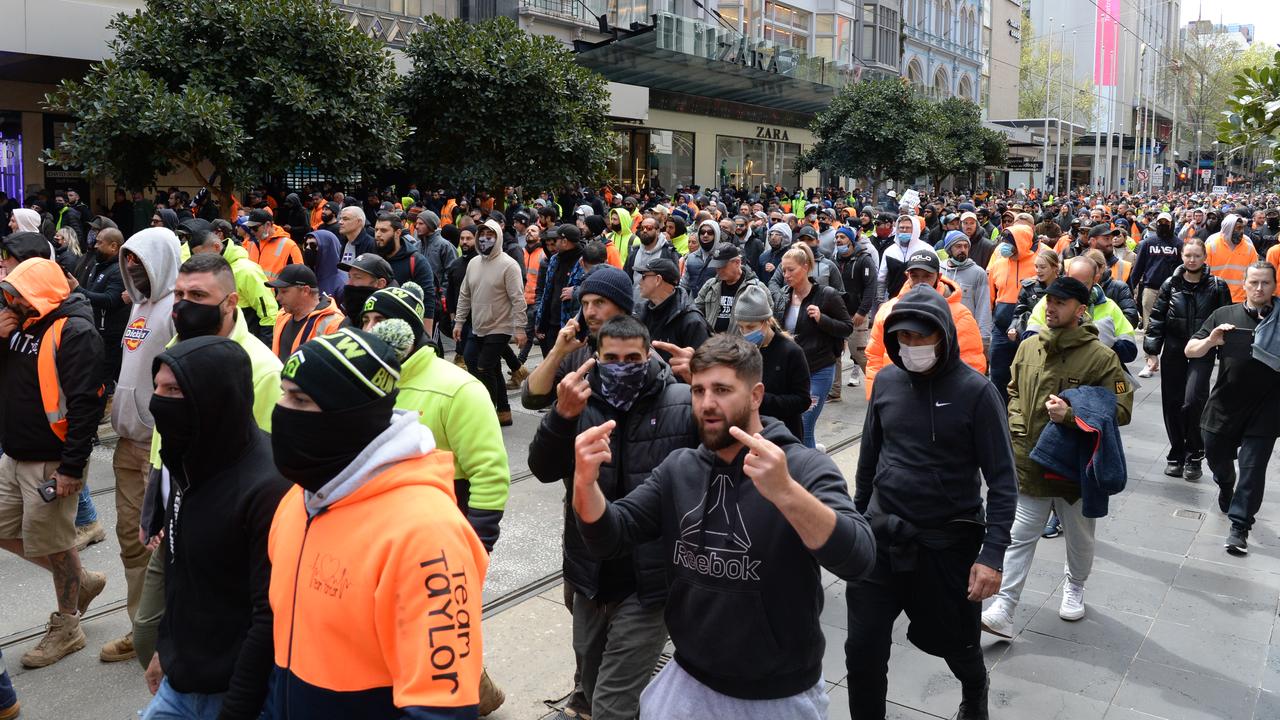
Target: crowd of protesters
302	473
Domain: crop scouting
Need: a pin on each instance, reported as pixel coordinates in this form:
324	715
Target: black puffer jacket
659	423
1028	296
821	341
675	321
1123	296
1181	308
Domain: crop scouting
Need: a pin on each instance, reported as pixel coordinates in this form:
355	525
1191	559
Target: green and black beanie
401	304
345	369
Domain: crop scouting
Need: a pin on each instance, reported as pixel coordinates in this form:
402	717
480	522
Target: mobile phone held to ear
583	331
49	490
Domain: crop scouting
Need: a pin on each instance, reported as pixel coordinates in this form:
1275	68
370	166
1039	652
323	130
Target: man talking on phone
1240	418
51	365
1064	355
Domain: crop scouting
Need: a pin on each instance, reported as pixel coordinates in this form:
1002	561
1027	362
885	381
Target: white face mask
918	358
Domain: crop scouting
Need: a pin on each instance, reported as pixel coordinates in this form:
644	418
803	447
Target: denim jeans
7	696
819	385
86	513
1028	523
169	704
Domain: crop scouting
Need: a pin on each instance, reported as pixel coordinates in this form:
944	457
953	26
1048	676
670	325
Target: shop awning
634	57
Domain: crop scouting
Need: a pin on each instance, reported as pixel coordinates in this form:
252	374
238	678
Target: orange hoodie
967	333
1005	274
377	595
275	252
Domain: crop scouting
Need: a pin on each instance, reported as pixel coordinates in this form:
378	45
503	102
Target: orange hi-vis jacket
532	262
1005	274
377	598
274	253
317	215
967	332
1229	263
1273	257
325	319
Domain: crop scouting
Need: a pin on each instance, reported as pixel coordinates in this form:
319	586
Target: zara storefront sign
769	133
738	51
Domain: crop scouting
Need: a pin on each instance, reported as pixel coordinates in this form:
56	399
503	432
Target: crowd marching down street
309	390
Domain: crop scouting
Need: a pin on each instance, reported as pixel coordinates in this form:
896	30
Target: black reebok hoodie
216	632
926	436
745	591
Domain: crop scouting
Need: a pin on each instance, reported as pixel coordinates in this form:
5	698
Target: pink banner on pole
1106	43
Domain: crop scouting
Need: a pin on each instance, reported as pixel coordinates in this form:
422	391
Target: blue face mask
904	238
845	250
1006	250
620	383
755	338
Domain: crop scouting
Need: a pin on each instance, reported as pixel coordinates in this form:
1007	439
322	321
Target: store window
833	38
659	159
624	12
751	163
11	181
786	25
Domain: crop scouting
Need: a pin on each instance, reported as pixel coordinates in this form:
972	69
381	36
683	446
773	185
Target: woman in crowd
816	317
786	373
1048	268
1186	299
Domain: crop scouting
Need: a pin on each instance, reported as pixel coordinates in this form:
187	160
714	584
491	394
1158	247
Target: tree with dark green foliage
253	87
1250	123
878	129
967	145
493	106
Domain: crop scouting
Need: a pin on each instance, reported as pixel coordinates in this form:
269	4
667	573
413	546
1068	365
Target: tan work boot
517	376
118	650
12	711
491	696
62	637
90	534
91	585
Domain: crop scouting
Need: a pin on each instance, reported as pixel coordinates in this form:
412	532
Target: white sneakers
1072	607
855	377
998	620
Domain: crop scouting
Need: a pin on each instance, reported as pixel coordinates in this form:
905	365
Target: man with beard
647	246
406	265
617	603
1229	252
940	552
972	279
564	273
99	279
329	218
980	246
745	521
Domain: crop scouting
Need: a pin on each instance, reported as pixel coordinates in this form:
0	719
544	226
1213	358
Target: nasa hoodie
745	592
149	330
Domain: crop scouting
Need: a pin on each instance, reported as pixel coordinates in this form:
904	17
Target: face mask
904	238
138	274
353	299
824	226
620	383
884	231
755	338
177	426
310	256
845	250
485	244
92	239
191	319
1006	250
1273	224
918	358
1164	231
311	448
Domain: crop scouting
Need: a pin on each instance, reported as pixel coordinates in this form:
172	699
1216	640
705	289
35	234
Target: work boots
62	637
491	696
91	585
118	650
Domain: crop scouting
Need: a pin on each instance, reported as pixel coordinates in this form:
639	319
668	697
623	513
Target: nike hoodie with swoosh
926	436
745	591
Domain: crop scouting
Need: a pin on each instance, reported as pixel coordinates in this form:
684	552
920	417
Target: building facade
943	47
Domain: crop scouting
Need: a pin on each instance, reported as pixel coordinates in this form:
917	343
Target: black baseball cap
886	219
370	263
911	322
1069	288
923	260
662	267
570	232
722	254
1100	230
294	275
807	231
257	216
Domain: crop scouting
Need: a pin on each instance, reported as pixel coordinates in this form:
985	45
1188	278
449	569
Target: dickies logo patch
136	333
1122	387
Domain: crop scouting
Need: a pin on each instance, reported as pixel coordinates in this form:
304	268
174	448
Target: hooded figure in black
934	428
296	217
215	636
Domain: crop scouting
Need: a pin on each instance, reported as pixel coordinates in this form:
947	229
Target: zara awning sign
771	133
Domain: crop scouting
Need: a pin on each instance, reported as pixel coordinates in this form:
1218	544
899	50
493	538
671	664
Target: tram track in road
497	605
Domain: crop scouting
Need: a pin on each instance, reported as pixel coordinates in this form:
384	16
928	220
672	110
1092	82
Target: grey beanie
783	228
753	304
431	219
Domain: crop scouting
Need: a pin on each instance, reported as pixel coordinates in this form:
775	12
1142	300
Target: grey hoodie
696	272
492	292
148	332
976	292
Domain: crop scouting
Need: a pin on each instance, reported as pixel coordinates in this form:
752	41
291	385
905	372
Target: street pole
1044	169
1057	155
1071	146
1138	116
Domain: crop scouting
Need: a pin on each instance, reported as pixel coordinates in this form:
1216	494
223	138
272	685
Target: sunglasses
706	232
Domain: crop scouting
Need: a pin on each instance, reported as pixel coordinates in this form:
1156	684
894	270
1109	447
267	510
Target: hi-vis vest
51	395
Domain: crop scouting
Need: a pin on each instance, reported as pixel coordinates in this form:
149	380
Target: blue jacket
1092	455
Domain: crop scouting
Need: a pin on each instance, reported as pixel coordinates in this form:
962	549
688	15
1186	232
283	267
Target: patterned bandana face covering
620	383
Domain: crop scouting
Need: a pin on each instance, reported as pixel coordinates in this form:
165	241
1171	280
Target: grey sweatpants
677	694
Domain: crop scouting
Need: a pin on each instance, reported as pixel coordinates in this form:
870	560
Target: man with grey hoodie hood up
492	297
697	264
149	264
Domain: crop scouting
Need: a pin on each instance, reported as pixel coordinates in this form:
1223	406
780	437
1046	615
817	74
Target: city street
1176	627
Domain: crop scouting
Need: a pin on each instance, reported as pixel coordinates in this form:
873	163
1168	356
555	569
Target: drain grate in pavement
1189	514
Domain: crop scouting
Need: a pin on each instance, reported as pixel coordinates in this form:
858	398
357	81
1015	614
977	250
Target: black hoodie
926	436
216	632
745	591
